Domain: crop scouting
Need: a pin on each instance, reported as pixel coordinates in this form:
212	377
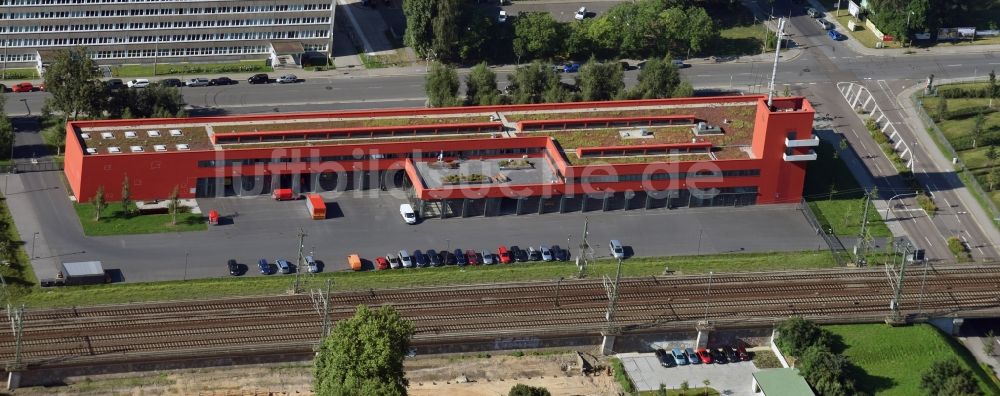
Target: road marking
995	63
946	202
953	65
704	75
929	244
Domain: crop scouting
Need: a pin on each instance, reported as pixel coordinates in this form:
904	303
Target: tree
662	391
977	128
363	355
6	130
529	83
796	334
992	154
447	29
481	86
658	79
525	390
706	382
685	387
175	204
55	136
683	90
71	80
993	176
126	197
942	109
949	378
701	30
536	35
99	203
419	15
989	342
442	86
826	372
993	86
600	81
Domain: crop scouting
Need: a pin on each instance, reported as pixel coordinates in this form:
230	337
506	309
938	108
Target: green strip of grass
114	222
894	358
28	73
165	69
836	198
700	391
274	284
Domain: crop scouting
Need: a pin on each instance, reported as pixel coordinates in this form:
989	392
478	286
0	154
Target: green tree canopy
600	81
419	33
949	378
828	373
72	81
447	28
364	355
683	90
657	79
529	83
6	130
154	101
481	86
537	35
442	86
525	390
796	334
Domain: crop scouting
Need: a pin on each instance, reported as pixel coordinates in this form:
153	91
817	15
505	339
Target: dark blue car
571	68
460	258
265	268
835	35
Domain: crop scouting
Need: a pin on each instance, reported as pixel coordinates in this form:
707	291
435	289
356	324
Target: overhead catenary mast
774	69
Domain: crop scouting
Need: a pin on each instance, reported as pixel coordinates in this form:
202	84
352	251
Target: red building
468	161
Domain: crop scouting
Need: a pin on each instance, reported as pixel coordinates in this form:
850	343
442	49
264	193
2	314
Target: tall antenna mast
774	70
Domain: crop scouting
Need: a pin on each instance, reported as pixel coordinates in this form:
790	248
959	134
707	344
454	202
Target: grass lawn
700	391
380	61
894	358
345	280
836	198
863	35
28	73
114	222
162	69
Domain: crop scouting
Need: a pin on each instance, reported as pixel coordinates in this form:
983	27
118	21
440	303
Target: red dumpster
284	194
316	206
213	217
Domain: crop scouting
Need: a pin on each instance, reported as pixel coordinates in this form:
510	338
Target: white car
616	249
503	16
288	78
138	83
404	257
409	216
311	263
580	14
197	82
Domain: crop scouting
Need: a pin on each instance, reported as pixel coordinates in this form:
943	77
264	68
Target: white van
409	216
138	83
616	249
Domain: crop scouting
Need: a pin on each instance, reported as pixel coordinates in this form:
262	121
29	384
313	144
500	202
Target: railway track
251	325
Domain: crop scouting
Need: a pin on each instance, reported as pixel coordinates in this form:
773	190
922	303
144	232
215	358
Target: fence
967	177
33	166
840	254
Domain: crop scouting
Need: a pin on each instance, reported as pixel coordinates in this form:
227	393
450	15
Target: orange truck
284	194
316	206
355	262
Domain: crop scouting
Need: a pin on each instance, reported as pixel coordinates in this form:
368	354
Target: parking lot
562	12
729	379
259	227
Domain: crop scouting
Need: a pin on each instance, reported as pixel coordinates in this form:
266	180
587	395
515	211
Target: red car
504	254
741	351
23	87
704	356
472	257
381	263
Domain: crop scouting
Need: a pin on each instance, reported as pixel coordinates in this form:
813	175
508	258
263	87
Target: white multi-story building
148	31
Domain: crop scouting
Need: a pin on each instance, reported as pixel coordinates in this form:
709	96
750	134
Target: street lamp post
33	238
889	202
186	254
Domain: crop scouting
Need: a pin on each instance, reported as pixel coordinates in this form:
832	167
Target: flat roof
487	172
623	124
782	382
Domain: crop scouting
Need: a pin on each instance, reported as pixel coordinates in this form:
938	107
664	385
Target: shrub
621	376
927	204
796	334
958	248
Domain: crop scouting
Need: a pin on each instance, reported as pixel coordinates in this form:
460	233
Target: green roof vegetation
782	382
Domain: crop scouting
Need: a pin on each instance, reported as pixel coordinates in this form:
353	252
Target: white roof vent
183	147
130	134
91	150
175	132
85	135
153	133
136	149
107	135
114	150
160	147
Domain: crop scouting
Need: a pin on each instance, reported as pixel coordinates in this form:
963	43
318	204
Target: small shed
780	382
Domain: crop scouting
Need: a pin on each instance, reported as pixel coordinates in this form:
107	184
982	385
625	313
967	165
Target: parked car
519	254
3	88
259	79
625	65
448	258
580	14
679	63
394	262
546	253
719	356
138	83
23	87
283	266
409	216
616	249
265	268
460	258
472	257
835	35
197	82
691	356
572	67
502	17
742	352
405	259
666	360
381	263
731	354
435	258
560	253
234	269
488	258
679	357
171	82
312	265
221	81
813	12
533	254
41	86
504	255
824	23
114	84
421	259
288	78
704	356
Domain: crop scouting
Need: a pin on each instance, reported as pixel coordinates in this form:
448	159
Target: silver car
488	257
311	263
197	82
404	257
546	253
288	78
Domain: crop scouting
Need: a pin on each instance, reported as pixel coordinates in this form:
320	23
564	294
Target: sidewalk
861	49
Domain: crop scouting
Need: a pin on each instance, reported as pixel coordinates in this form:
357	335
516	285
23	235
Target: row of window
90	27
61	2
31	57
167	52
47	42
666	176
373	156
167	11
